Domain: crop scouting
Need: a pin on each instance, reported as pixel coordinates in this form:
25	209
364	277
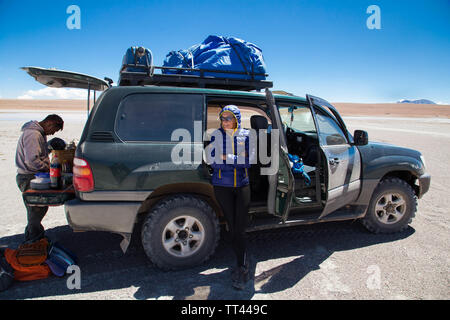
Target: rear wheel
392	207
179	232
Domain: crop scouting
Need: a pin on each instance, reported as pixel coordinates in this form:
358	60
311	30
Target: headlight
423	160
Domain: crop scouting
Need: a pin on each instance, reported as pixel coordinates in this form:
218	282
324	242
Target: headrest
258	122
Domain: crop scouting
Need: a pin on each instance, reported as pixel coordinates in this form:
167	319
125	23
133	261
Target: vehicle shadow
104	267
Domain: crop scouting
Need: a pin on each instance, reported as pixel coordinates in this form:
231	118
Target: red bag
32	254
26	273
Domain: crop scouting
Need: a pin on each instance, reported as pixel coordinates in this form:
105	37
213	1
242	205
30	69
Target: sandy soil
58	105
324	261
393	109
346	109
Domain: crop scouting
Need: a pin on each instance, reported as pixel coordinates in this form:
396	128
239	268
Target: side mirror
360	137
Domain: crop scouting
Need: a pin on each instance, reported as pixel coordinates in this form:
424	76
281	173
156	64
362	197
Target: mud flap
125	241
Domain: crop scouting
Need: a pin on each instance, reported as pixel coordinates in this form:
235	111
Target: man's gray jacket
32	152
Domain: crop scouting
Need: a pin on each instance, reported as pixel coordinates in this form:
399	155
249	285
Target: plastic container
42	175
40	184
55	173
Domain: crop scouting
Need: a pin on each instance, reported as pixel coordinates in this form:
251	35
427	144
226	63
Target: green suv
141	155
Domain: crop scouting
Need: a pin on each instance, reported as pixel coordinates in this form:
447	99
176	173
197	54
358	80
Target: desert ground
325	261
345	109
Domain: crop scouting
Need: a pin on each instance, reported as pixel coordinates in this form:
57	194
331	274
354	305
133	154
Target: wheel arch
370	220
405	175
369	184
169	204
204	191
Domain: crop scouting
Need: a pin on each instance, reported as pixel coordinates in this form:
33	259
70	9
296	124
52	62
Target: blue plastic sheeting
299	168
222	54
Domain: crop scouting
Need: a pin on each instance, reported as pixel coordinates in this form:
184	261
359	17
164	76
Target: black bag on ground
6	273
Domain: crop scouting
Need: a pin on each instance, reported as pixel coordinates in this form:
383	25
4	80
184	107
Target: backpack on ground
26	273
59	259
32	254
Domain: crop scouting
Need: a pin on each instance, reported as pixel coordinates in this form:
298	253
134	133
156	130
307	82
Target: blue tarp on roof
222	54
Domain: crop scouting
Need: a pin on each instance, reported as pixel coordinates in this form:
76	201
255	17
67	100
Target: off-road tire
164	225
380	218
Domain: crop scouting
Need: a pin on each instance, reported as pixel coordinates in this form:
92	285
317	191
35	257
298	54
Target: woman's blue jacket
239	151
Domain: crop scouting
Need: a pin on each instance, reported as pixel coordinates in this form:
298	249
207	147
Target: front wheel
392	207
181	231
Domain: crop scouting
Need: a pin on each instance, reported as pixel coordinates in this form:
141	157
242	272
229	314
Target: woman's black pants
235	202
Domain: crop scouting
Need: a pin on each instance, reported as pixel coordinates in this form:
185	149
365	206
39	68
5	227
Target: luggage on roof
136	59
218	63
217	53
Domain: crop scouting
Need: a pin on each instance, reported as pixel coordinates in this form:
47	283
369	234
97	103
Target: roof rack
148	77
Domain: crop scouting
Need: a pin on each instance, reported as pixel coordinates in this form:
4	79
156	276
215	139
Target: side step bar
350	213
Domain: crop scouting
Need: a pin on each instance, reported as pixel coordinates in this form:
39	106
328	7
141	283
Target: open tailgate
66	79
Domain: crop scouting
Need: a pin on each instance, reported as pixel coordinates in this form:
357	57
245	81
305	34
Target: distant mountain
418	101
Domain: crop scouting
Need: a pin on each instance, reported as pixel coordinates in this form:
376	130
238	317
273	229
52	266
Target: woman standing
231	157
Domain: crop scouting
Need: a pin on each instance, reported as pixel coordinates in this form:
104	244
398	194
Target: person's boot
242	277
235	273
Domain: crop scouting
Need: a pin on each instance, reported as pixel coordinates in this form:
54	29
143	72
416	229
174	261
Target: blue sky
310	46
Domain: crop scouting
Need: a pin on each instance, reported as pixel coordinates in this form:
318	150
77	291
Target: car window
247	112
329	131
153	117
298	118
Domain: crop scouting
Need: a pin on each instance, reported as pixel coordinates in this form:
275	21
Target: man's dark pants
34	230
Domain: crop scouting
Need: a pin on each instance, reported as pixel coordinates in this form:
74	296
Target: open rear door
281	182
67	79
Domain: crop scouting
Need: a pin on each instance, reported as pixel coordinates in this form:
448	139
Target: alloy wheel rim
390	208
183	236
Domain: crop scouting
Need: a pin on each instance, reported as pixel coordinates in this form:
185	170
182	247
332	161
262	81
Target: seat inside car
259	183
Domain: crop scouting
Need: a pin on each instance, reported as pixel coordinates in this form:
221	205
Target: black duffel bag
6	273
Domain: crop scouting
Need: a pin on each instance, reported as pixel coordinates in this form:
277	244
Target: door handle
334	161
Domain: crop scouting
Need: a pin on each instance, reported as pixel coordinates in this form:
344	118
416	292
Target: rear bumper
424	184
118	217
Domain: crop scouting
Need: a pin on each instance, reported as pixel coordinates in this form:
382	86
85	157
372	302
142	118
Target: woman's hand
242	154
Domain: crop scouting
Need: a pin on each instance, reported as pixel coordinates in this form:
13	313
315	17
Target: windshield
298	118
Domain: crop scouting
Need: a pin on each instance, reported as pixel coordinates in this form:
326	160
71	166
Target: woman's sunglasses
226	118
